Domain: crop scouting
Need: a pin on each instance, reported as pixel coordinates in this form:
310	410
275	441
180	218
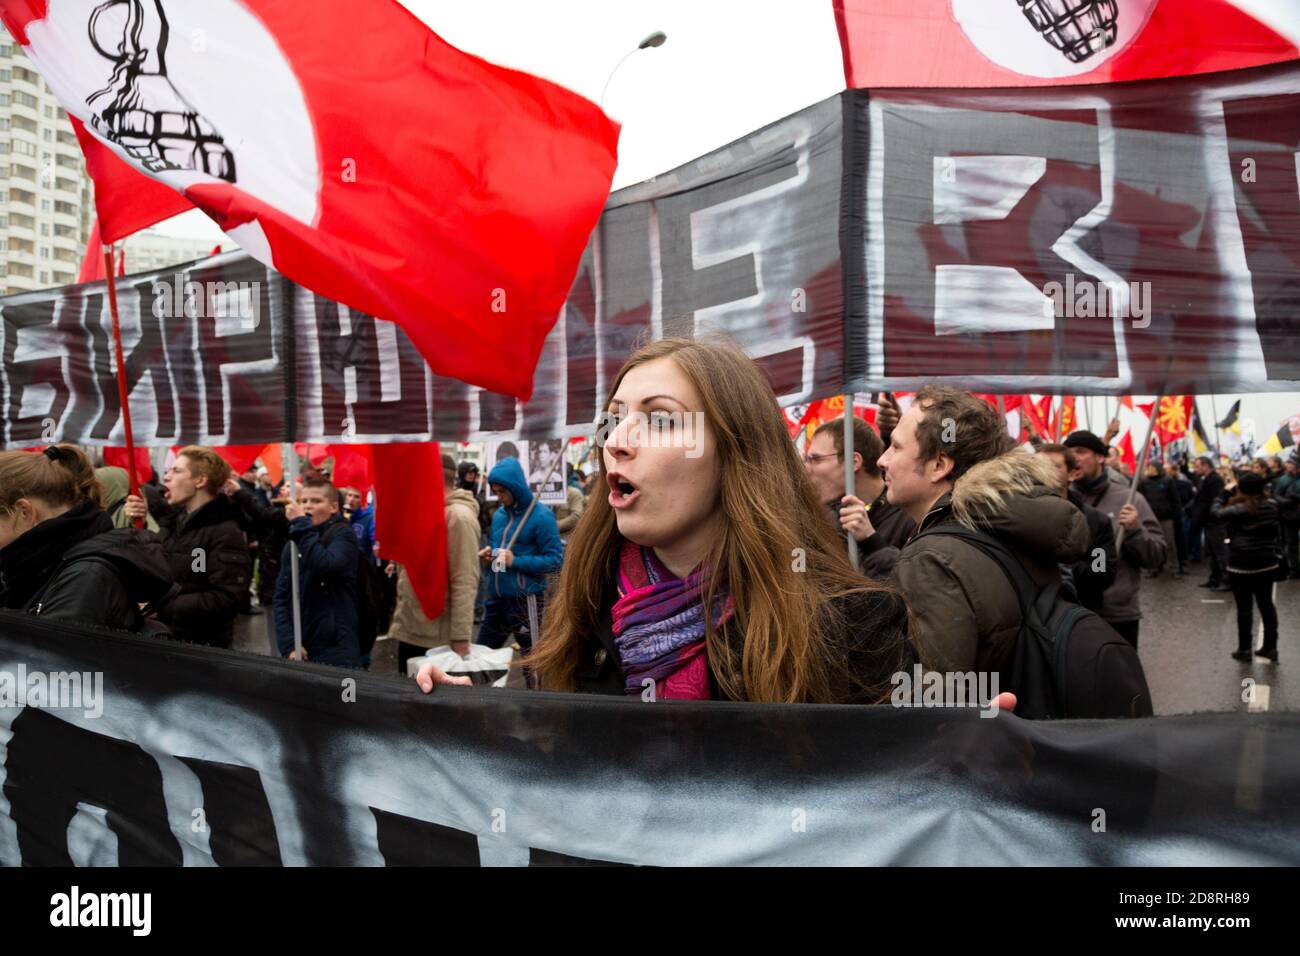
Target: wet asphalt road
1186	638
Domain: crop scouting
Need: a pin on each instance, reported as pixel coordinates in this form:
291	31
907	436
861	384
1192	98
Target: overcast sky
728	68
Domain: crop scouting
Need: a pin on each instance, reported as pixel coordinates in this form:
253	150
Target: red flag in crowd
92	263
410	516
938	43
1126	453
1037	412
1063	418
1173	418
117	458
352	467
359	154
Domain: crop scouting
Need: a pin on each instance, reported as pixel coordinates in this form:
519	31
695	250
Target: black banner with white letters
167	754
1114	239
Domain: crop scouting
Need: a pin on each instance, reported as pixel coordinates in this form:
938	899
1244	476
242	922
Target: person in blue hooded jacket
517	574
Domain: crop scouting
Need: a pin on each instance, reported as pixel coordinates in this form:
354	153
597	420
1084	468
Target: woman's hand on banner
135	507
430	674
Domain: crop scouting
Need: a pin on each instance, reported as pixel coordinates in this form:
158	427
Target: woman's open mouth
622	493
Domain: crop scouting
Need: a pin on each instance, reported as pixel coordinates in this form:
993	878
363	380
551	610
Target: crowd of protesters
722	574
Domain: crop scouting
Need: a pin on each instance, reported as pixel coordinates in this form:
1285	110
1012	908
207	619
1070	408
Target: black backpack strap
1024	586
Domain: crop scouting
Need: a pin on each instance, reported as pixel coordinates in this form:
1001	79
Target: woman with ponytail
60	557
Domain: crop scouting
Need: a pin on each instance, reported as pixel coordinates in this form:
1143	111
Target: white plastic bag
484	665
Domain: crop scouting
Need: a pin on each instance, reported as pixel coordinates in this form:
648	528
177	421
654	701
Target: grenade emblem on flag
1078	28
140	109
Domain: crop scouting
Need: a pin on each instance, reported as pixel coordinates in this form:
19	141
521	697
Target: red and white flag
349	147
944	43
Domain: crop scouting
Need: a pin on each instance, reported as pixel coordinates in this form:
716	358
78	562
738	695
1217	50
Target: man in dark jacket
1161	494
328	560
206	549
950	461
880	524
1203	523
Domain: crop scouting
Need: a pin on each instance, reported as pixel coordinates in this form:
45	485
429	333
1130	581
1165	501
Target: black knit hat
1088	440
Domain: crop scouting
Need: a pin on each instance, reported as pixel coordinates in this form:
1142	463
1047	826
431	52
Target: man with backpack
966	613
329	566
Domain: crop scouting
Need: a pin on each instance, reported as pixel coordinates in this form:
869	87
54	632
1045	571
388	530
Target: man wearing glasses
868	516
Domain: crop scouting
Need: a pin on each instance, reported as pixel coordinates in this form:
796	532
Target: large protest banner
190	755
1131	238
744	241
1127	238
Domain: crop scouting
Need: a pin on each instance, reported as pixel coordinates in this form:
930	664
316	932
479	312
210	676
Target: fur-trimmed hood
1017	497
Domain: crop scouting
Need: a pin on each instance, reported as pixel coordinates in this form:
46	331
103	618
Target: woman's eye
661	419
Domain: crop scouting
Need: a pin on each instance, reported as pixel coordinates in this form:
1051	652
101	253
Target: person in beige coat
414	632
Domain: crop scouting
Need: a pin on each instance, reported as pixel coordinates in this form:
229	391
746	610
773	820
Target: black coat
1207	493
77	568
209	560
1253	537
874	645
1089	578
328	561
1162	495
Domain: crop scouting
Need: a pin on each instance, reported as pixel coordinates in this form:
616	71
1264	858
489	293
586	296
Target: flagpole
850	478
1218	455
1141	466
132	481
289	455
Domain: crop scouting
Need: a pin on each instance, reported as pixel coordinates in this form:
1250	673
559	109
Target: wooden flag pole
132	480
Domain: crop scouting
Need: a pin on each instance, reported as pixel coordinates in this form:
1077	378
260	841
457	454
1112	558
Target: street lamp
655	39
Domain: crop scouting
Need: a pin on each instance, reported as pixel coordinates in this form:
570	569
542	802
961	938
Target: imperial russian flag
348	146
939	43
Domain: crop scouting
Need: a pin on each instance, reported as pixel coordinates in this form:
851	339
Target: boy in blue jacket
327	580
517	579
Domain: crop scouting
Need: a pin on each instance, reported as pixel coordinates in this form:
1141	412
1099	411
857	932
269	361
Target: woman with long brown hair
703	566
60	557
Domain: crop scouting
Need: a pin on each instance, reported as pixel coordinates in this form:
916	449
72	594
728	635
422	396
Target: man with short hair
879	525
950	460
1143	545
328	558
205	547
